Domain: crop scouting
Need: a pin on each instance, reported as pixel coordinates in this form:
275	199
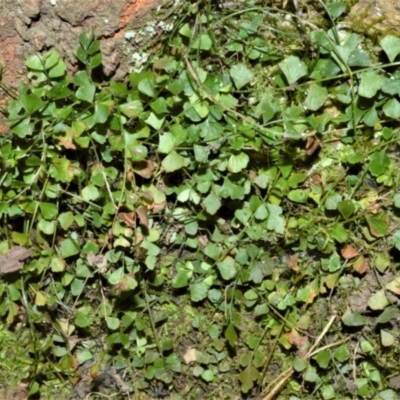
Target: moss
14	362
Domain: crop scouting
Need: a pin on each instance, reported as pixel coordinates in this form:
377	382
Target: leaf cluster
228	191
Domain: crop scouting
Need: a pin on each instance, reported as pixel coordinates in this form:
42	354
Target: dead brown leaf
68	144
142	214
297	340
203	240
144	168
292	263
12	260
128	217
361	265
349	252
99	260
312	145
159	207
190	355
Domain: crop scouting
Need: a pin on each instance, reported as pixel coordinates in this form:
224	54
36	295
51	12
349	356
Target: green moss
14	362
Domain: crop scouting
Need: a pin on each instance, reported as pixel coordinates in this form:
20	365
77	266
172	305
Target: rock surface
36	26
386	11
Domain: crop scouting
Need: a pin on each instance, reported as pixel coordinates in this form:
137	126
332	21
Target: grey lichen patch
141	41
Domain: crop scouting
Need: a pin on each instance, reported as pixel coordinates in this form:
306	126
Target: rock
30	8
36	26
75	13
386	10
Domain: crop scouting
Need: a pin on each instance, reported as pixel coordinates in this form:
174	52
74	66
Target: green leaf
58	70
86	92
299	364
94	47
31	102
377	225
387	315
48	210
339	233
241	75
211	203
293	68
137	152
346	208
95	61
261	212
166	143
371	117
101	113
341	353
201	153
295	179
275	221
310	375
396	200
237	163
198	291
200	106
231	335
378	301
66	220
173	162
159	106
316	97
116	276
34	62
23	127
247	378
154	121
379	163
47	227
208	375
335	10
77	286
392	108
328	392
227	268
243	215
391	46
185	31
213	250
180	280
69	248
22	238
323	358
299	195
90	193
396	239
82	320
85	40
371	82
112	323
353	319
387	339
146	86
394	285
204	42
62	170
332	201
81	78
131	109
